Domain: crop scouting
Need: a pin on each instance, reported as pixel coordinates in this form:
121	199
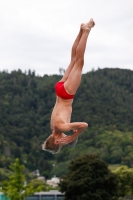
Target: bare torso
60	122
61	113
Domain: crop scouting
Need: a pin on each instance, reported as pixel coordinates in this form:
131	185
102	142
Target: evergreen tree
15	188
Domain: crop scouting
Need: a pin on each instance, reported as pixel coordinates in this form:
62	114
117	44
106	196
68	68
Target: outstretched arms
77	127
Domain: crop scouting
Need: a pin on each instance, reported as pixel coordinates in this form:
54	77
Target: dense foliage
104	100
14	187
125	177
89	178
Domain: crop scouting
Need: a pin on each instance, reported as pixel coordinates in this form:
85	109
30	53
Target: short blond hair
49	145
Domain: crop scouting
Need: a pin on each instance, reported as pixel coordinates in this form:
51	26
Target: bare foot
88	25
82	25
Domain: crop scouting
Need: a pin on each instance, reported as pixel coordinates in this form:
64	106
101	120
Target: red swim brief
61	92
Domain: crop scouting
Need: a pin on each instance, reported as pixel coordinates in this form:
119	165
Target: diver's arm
77	127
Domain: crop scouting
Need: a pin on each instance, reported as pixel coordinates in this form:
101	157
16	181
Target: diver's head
51	144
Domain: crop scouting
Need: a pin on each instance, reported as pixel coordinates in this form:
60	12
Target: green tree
125	177
14	188
89	178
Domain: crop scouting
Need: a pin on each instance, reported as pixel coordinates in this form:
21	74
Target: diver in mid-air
65	90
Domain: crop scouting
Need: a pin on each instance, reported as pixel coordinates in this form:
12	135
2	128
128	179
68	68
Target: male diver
65	90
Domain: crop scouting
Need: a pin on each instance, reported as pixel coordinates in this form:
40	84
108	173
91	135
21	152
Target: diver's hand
66	140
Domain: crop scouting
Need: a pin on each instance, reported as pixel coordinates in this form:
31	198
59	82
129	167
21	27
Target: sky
38	34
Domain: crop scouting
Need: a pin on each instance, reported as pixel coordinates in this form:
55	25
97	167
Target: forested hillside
104	100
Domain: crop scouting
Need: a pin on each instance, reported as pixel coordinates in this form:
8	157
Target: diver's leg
73	55
72	83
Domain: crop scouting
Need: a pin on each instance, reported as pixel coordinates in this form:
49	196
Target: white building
53	181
